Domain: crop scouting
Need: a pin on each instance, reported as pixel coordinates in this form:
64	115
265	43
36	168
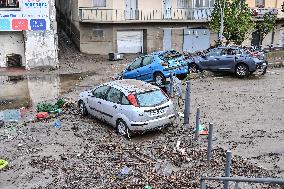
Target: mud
86	153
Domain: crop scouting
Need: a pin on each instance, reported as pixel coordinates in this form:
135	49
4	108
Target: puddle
21	94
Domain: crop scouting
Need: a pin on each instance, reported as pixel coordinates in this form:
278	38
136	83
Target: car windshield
151	98
168	55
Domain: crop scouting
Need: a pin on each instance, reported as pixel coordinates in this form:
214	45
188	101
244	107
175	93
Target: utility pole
222	20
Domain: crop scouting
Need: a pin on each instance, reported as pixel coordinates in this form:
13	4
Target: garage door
130	41
196	40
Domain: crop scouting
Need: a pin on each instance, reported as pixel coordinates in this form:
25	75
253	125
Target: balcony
94	15
259	12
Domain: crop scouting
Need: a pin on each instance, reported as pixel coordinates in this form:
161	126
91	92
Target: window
260	3
204	3
147	60
99	33
214	52
182	4
124	101
136	64
101	92
114	96
99	3
9	3
151	98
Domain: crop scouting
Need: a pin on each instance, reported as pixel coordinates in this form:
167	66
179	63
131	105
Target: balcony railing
116	15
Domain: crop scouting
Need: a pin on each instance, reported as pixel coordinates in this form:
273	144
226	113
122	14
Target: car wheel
122	129
242	70
193	68
159	79
82	108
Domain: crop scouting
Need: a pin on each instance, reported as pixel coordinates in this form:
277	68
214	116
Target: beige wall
268	3
89	3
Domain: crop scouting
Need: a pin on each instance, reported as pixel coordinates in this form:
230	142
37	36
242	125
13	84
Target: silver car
131	106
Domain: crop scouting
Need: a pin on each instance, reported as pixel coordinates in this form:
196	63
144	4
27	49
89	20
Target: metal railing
241	179
118	15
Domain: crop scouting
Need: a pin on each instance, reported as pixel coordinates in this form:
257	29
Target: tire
82	108
122	129
242	70
193	68
159	79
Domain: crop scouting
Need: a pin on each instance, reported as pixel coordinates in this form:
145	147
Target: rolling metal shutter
130	41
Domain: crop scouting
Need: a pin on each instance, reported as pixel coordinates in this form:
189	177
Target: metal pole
222	22
227	168
171	84
197	123
202	184
210	136
187	104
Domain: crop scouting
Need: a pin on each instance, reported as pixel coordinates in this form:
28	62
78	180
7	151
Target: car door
96	100
208	60
146	70
112	105
132	71
225	60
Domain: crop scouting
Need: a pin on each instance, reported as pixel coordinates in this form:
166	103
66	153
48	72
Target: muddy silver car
131	106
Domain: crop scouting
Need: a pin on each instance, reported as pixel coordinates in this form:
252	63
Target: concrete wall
41	47
49	92
153	36
11	42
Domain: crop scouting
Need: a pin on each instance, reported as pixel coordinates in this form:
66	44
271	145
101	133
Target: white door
130	41
130	9
168	9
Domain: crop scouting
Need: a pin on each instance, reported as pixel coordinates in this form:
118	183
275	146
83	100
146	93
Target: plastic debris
3	164
57	124
51	108
147	186
124	171
42	115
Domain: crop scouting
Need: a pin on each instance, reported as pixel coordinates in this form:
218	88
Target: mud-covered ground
86	153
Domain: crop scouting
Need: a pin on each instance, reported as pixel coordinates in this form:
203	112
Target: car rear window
151	98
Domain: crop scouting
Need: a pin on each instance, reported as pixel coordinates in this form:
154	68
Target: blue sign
38	24
5	24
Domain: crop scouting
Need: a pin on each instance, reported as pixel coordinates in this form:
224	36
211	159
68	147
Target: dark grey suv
229	59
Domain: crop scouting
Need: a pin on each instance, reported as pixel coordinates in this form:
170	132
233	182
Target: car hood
84	94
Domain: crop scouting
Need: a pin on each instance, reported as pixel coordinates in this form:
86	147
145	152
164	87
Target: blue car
227	59
156	67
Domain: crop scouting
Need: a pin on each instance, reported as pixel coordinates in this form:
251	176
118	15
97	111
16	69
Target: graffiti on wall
32	15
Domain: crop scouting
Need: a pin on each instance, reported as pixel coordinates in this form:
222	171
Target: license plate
157	112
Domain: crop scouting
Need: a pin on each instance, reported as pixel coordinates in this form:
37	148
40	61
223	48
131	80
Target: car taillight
164	64
132	100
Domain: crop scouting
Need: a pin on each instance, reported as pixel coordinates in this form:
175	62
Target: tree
266	25
238	20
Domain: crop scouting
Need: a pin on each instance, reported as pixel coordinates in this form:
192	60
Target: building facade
143	26
28	33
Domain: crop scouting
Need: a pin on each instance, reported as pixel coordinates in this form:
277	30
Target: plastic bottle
57	124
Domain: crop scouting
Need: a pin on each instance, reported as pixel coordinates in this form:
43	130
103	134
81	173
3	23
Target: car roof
132	85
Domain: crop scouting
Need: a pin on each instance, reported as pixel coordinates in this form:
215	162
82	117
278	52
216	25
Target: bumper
261	68
137	127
